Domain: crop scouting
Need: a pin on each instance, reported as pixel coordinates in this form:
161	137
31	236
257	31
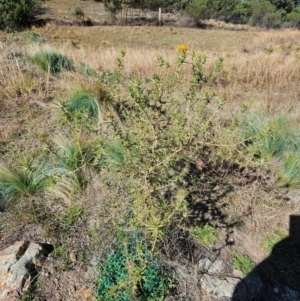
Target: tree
198	9
205	9
113	6
17	14
287	5
265	14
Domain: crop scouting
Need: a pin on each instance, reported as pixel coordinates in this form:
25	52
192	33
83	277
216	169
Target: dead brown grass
262	72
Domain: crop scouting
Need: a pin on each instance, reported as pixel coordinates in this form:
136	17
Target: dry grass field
261	72
260	68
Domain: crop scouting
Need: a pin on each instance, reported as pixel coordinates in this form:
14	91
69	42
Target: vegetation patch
82	105
24	181
275	137
50	61
207	234
243	263
132	272
270	241
17	14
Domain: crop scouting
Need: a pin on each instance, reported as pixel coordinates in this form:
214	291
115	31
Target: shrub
199	10
166	120
133	273
293	18
50	61
264	14
17	14
243	11
78	12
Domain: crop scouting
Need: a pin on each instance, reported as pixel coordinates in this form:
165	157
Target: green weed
131	272
207	234
34	37
86	69
243	263
73	214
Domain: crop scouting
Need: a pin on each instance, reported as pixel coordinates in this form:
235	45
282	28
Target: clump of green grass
207	234
243	263
34	37
270	241
271	137
24	181
289	172
113	153
81	104
50	61
86	69
72	158
275	137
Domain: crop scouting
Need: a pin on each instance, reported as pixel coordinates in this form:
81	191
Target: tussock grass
71	158
82	104
113	153
24	181
268	137
276	137
289	172
50	61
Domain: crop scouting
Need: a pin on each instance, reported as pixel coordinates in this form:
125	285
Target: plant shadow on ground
208	185
277	278
211	183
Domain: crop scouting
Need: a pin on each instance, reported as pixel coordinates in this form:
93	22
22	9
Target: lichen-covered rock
19	265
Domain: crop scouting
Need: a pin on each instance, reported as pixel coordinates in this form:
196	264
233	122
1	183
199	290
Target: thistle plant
167	121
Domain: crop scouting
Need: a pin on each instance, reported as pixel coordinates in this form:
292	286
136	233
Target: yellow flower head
108	115
182	48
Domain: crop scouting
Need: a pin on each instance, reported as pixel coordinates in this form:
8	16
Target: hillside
169	155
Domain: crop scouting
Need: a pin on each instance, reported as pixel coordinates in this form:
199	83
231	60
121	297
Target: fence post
159	17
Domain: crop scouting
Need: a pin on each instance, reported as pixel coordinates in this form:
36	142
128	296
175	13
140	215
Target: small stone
72	257
276	290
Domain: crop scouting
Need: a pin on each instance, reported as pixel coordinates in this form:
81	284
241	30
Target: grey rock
218	287
211	267
18	268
